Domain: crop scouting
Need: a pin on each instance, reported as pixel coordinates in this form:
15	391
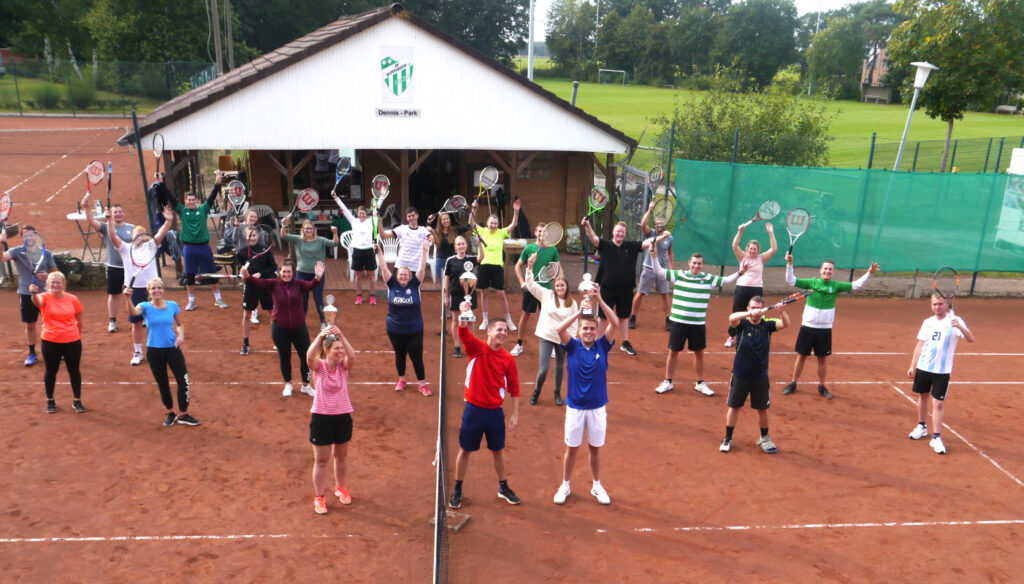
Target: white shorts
650	281
595	422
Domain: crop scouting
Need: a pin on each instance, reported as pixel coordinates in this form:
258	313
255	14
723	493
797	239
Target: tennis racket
790	299
264	243
5	211
797	222
547	273
597	201
305	201
664	208
110	176
456	208
344	165
946	283
768	211
235	193
380	186
654	178
488	178
35	253
551	234
158	149
94	173
142	252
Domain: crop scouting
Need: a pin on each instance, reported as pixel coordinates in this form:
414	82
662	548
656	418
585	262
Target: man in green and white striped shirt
691	292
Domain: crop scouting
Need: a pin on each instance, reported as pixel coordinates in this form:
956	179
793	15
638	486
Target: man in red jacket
490	375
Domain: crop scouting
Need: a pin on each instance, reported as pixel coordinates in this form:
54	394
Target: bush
46	96
82	92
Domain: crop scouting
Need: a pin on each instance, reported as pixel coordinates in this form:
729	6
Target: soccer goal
609	75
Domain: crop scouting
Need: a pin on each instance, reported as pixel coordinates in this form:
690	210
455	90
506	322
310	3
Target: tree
835	58
975	46
570	33
758	37
693	36
497	28
136	30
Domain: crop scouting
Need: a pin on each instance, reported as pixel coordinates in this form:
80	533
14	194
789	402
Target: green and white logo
397	74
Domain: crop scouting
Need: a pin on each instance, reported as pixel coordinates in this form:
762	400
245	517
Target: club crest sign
396	69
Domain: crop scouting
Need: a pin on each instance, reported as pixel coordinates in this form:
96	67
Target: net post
871	151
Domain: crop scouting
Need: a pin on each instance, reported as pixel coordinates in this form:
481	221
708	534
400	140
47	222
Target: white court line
965	440
521	382
103	539
58	130
903	354
827	526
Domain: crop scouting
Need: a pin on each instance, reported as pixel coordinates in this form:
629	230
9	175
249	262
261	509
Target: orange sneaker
320	505
342	494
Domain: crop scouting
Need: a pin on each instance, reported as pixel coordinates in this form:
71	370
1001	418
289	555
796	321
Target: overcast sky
802	6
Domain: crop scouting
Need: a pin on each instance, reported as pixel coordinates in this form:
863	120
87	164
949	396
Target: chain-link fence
37	86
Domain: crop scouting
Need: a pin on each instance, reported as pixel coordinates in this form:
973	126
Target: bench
1006	109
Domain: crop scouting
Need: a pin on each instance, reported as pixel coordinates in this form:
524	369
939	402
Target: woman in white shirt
751	268
363	258
555	306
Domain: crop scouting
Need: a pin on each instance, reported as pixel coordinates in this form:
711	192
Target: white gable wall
330	100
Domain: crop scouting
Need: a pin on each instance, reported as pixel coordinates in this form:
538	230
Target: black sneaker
51	406
824	392
632	321
170	418
790	388
187	420
627	348
458	352
77	405
246	349
456	501
533	398
558	399
506	493
668	324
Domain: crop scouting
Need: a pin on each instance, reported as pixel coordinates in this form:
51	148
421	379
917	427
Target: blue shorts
139	295
478	422
199	259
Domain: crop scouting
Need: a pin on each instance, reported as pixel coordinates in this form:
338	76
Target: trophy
468	281
586	288
330	310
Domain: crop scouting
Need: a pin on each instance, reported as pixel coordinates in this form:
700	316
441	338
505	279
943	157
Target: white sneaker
308	389
562	494
664	387
112	327
602	496
517	350
554	355
219	303
937	445
730	341
483	325
287	390
511	323
919	431
191	305
136	359
254	319
703	388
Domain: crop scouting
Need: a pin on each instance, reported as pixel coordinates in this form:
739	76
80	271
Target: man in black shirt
750	368
617	275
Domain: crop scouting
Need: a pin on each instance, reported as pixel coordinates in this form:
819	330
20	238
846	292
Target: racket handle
790	252
246	266
131	284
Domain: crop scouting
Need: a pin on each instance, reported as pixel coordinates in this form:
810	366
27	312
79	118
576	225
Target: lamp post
923	69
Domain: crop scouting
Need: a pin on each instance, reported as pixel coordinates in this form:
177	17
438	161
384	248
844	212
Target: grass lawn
27	86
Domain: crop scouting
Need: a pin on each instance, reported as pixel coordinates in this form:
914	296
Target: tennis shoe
373	300
824	392
534	397
359	299
342	494
558	399
668	324
483	325
320	505
703	388
937	445
136	359
51	406
400	386
665	387
170	418
504	492
219	303
457	353
308	389
456	500
187	420
726	445
31	360
112	327
627	348
632	321
517	350
790	388
730	341
602	496
253	318
919	431
246	349
189	307
562	494
767	445
288	389
424	388
511	323
80	409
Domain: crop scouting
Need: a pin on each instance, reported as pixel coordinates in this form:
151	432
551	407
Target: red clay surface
111	495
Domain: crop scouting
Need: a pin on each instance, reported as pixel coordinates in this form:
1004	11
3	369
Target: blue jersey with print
160	324
588	373
404	314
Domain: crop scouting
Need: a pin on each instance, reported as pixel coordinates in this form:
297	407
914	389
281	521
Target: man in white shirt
931	366
410	239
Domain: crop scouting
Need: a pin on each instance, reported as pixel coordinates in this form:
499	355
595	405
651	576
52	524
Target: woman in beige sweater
555	306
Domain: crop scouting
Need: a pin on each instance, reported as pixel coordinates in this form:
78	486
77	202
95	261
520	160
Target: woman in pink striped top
330	358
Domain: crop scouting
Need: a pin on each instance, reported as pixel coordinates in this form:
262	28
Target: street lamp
923	69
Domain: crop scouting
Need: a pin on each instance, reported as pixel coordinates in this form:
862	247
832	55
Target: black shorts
115	280
682	334
29	311
253	296
530	303
488	276
325	429
820	340
619	299
363	260
757	389
139	295
458	298
937	383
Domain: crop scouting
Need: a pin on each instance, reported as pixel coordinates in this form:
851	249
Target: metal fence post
17	92
735	144
917	150
987	154
999	154
952	158
71	94
871	152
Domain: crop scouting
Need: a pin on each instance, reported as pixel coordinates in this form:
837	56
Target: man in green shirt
819	313
545	256
195	239
491	273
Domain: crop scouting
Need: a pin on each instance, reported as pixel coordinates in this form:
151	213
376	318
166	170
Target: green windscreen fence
902	220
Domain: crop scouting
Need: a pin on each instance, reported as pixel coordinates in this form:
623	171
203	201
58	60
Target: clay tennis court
111	495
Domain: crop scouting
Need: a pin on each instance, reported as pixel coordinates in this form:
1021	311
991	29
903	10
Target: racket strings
769	210
552	234
797	221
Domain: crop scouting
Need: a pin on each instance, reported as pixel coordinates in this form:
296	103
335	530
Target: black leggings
72	353
159	360
284	339
740	298
412	345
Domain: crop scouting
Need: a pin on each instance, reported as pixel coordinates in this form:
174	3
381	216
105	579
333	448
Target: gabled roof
296	54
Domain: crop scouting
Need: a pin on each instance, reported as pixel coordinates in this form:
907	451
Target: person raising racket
617	275
195	239
555	306
310	250
751	283
29	311
330	357
362	259
288	319
648	279
456	284
166	334
410	239
260	266
140	275
819	313
405	317
114	223
61	337
545	255
492	269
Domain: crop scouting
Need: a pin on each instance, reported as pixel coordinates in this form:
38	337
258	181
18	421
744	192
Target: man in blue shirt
587	366
750	368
